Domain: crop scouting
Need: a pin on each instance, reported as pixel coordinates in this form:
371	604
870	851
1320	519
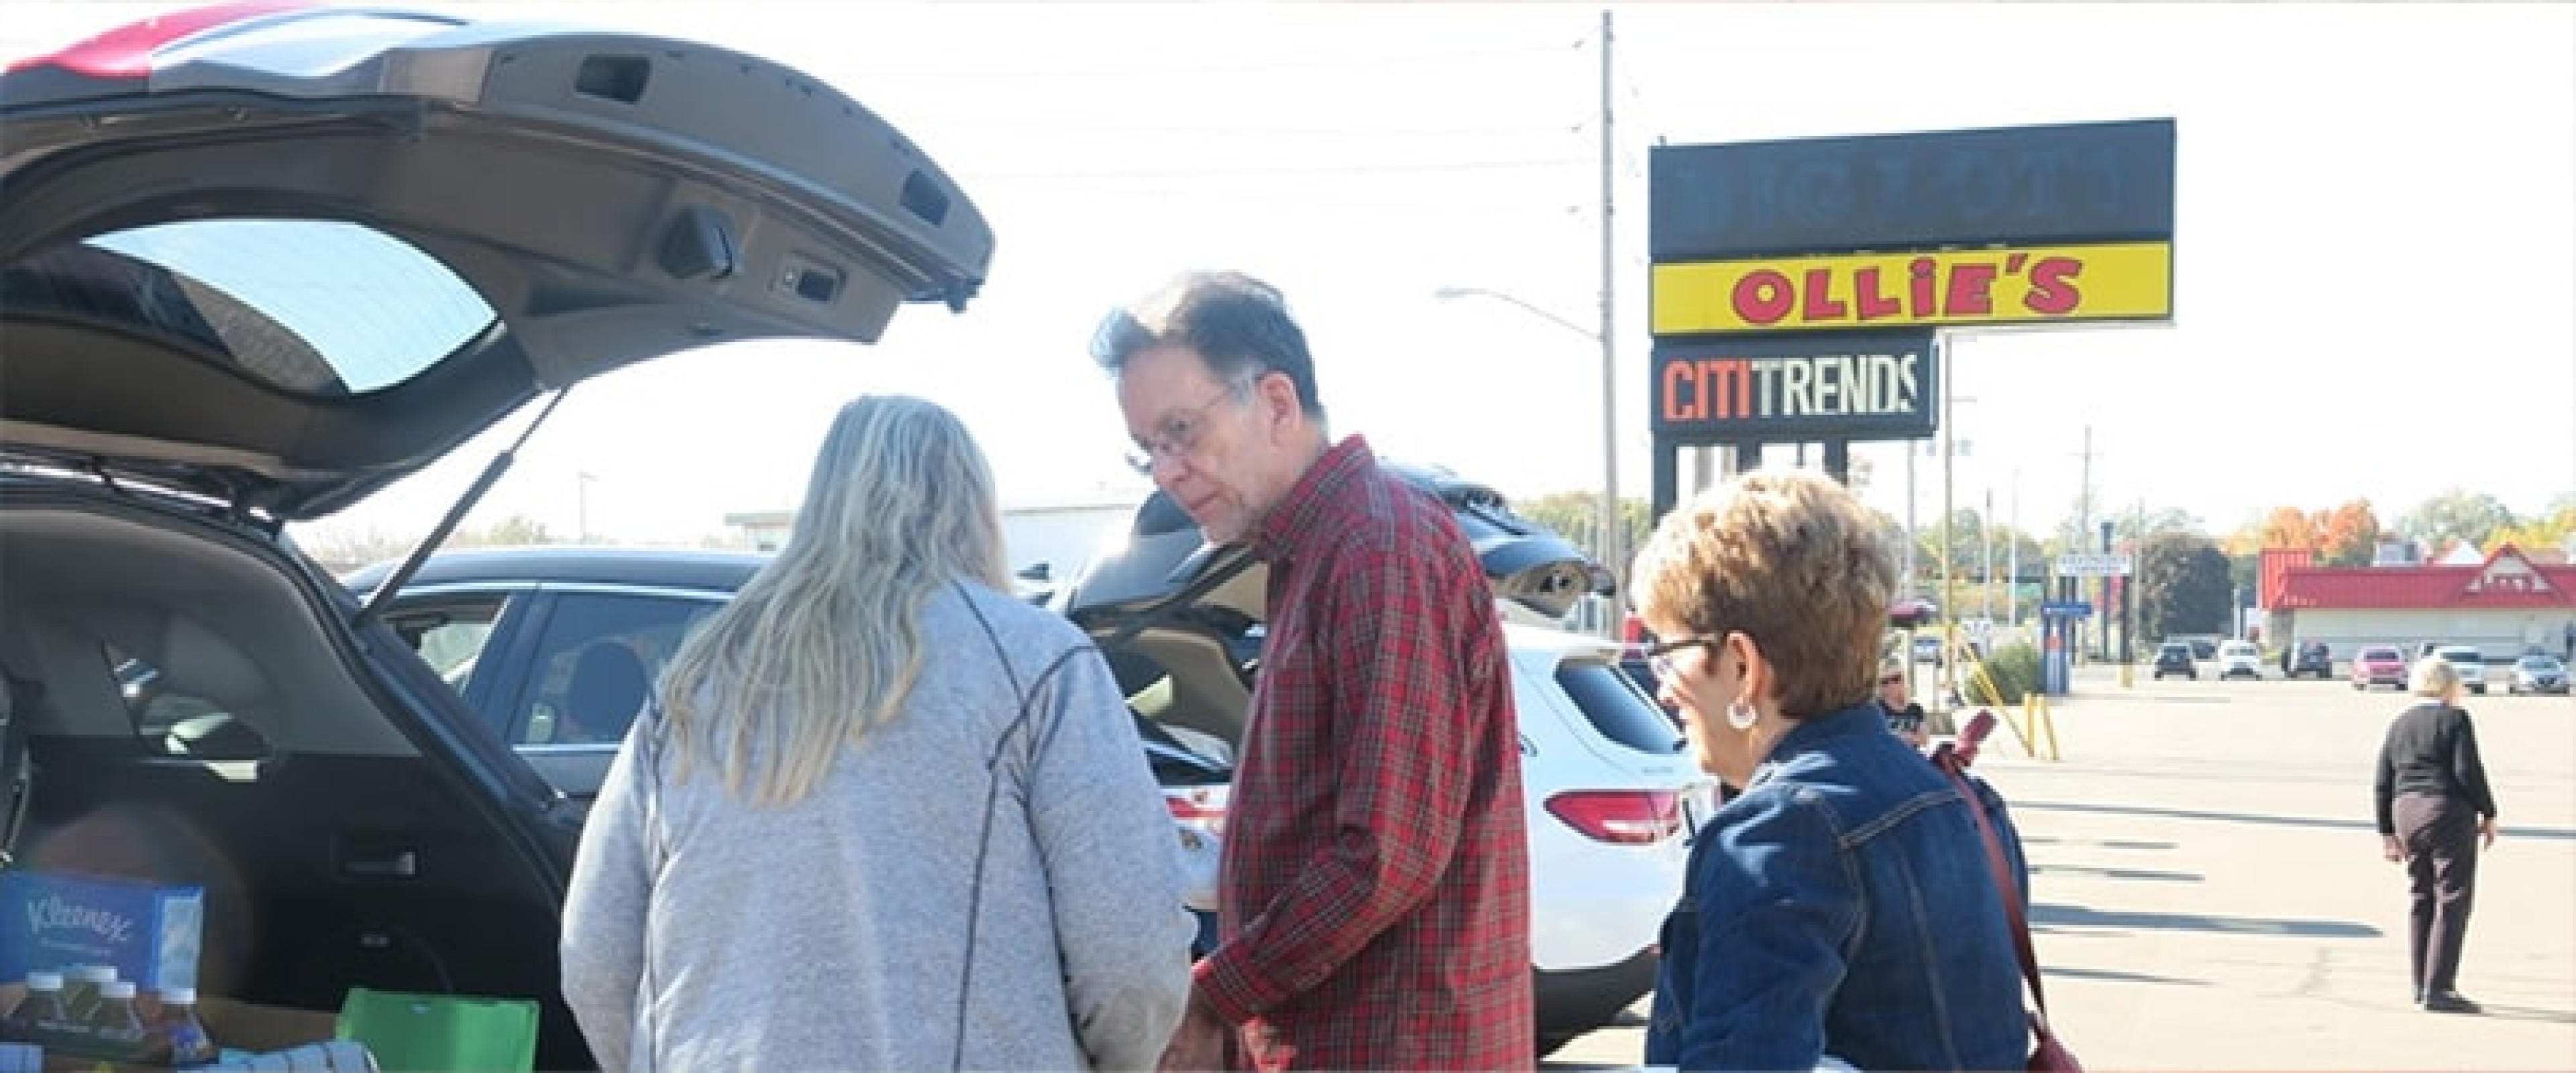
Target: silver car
2471	665
2537	673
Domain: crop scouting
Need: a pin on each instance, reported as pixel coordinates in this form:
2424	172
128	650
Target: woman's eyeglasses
1659	657
1892	680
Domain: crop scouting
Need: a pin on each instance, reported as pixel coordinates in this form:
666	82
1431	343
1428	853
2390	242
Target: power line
1255	171
1315	63
1239	196
1048	127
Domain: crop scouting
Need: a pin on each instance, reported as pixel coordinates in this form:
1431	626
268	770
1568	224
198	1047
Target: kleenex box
150	933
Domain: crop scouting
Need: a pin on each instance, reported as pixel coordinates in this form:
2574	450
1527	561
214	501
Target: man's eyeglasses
1659	657
1179	433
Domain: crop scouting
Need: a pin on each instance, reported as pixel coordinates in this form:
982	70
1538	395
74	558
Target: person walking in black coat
2434	811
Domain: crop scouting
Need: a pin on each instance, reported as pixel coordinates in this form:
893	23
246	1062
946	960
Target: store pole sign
2093	564
2038	185
2009	285
1807	386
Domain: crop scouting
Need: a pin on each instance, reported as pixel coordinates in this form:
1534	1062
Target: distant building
1061	534
2505	604
763	531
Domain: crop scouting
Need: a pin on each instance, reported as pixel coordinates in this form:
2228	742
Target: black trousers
2441	838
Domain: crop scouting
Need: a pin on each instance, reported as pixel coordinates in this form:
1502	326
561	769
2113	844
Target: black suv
2308	657
2174	657
258	263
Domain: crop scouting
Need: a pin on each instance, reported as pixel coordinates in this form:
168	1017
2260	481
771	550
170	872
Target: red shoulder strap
1998	864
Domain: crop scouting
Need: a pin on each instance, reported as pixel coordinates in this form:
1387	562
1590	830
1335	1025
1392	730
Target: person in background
1842	908
1374	904
2434	810
881	814
1904	717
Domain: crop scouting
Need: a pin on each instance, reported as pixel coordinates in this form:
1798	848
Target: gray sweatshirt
832	933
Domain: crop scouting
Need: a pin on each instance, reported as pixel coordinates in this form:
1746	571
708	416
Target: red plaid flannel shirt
1375	902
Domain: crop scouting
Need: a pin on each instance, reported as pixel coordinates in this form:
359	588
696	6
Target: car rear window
2462	655
313	307
2379	653
1617	708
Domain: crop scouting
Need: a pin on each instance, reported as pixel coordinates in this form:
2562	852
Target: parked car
2239	659
2308	657
1927	649
2537	673
2471	665
2378	665
1604	774
2174	657
1603	769
1910	612
257	264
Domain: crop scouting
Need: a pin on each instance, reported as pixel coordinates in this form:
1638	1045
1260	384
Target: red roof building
2504	605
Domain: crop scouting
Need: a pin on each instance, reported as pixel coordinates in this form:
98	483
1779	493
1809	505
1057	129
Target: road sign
2093	564
2067	608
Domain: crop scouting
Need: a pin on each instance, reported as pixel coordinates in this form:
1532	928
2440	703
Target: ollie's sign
1876	383
2029	285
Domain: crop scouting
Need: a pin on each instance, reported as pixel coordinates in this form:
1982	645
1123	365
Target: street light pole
1614	526
1612	540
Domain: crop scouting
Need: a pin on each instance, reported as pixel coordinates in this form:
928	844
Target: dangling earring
1741	715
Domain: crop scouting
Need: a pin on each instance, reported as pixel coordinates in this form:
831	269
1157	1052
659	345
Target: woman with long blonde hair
882	814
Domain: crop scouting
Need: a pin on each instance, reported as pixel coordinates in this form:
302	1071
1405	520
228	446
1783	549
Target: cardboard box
151	933
239	1027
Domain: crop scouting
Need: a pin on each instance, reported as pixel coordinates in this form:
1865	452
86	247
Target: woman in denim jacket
1841	905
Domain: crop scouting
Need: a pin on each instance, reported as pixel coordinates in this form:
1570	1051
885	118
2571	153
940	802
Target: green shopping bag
410	1033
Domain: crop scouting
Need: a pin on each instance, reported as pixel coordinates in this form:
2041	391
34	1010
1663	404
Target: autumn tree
2290	527
2182	586
2549	529
2349	535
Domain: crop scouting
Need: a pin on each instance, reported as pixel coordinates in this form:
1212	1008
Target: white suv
1604	773
2239	659
2472	666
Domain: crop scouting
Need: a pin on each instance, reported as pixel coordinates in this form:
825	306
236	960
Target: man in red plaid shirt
1374	911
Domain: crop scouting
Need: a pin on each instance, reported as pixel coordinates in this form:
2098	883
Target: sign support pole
1949	578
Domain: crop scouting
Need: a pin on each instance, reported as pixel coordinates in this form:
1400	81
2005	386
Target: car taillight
1624	817
1200	807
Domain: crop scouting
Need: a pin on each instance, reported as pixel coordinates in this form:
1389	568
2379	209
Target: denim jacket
1842	905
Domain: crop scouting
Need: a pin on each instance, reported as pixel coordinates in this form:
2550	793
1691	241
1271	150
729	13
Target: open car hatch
283	255
1167	569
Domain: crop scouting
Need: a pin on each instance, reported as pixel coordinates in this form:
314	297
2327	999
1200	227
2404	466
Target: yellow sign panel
2012	285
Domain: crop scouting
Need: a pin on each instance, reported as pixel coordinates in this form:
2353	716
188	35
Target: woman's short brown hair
1789	558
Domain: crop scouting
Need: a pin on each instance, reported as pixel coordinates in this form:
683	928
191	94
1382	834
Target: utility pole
2084	530
1614	524
1949	577
2012	586
1986	567
1911	585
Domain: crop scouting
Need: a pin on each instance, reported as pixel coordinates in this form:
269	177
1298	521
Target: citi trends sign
1879	384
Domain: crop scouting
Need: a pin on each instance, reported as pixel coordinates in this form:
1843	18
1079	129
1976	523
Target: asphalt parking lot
2208	891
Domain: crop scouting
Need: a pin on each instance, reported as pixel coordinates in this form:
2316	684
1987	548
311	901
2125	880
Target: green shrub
2013	671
